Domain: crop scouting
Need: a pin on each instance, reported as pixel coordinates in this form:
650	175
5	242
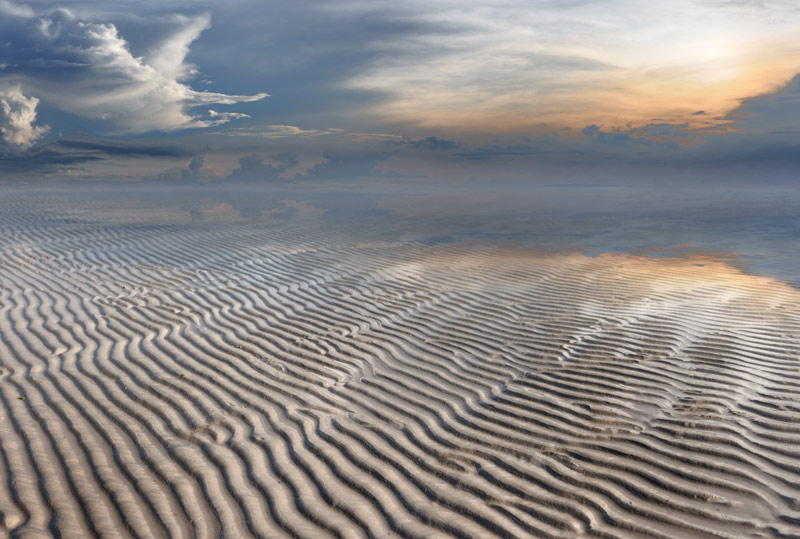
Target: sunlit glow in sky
579	63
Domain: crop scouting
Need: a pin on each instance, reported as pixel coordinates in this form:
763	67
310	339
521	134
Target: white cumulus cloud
15	10
17	116
88	69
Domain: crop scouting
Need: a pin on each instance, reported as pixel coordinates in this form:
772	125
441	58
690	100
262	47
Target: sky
458	91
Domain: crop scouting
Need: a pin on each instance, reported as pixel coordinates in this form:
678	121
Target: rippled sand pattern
255	379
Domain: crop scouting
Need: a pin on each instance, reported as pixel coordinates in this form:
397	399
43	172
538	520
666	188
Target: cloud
661	134
15	10
225	117
428	143
66	154
252	168
43	160
510	65
772	112
17	116
278	131
655	143
88	69
120	148
190	173
288	159
343	166
195	165
615	137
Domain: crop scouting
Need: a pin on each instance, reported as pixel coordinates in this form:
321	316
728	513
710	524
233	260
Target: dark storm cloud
113	147
76	151
42	159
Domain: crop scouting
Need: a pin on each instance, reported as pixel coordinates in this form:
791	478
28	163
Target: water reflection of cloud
755	229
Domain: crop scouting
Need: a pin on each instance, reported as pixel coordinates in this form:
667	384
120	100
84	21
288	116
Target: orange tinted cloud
607	63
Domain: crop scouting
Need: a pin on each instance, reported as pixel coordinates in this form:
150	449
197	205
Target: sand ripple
202	380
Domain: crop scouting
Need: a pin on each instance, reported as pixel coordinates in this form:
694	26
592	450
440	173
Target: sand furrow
266	379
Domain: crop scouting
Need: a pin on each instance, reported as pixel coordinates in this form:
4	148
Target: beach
170	377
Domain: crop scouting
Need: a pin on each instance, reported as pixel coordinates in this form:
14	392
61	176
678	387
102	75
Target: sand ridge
267	379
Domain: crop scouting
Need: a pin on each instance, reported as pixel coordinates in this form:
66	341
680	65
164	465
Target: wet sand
262	378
